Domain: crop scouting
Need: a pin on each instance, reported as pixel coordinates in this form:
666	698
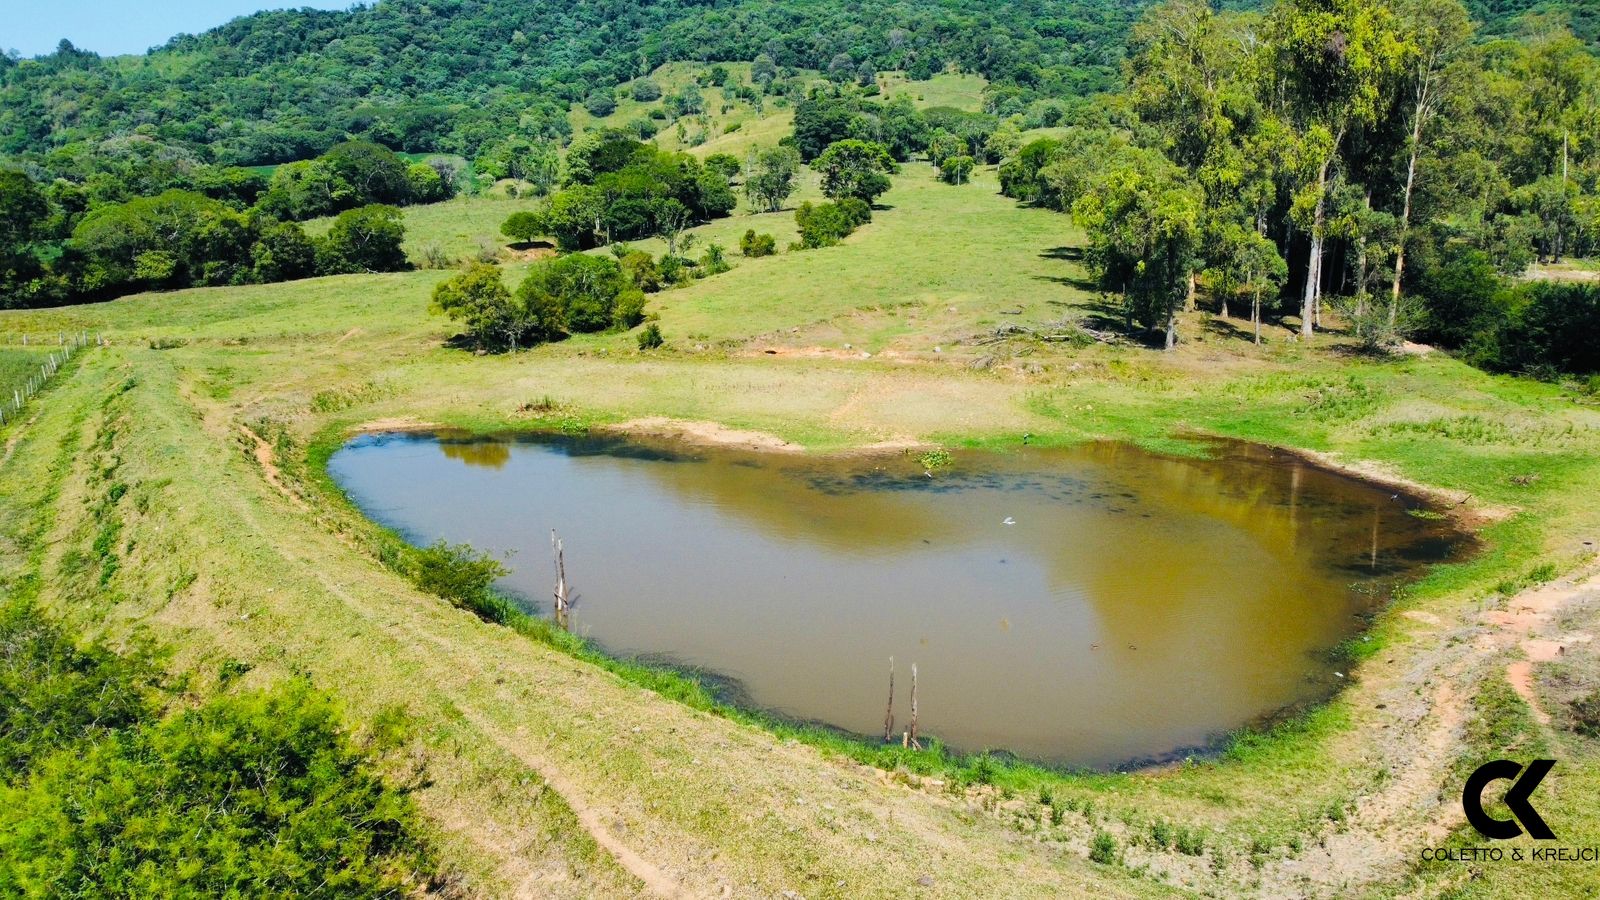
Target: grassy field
552	776
727	124
962	91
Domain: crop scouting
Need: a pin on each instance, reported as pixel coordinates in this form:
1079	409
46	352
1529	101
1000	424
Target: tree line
137	218
1380	157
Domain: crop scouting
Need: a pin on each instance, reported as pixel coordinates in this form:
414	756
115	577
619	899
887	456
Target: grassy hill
552	776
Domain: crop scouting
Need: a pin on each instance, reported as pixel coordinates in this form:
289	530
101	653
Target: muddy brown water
1092	606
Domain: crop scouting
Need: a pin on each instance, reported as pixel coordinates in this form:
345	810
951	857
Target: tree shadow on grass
1070	254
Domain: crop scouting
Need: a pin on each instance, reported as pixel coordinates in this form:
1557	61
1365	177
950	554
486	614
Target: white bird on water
1009	521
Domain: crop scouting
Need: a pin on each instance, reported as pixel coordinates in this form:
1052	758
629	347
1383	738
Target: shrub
650	338
826	224
645	90
1190	841
629	310
1586	714
640	269
956	169
577	293
1554	328
714	260
143	814
1161	834
757	245
1103	849
457	572
600	104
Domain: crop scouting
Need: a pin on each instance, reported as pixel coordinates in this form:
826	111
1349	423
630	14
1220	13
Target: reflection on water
1086	606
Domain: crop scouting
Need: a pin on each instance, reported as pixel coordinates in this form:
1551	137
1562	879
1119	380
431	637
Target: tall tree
1436	34
1328	62
1143	219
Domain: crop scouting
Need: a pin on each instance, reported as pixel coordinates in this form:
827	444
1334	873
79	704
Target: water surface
1090	606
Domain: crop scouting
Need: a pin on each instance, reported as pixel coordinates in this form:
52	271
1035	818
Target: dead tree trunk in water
563	594
915	745
888	715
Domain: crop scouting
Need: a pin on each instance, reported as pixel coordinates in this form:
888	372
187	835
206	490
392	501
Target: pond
1091	606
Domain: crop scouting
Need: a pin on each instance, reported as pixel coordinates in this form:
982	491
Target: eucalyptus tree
1328	62
1437	34
1187	68
1143	220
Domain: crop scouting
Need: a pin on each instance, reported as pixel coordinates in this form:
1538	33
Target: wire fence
15	396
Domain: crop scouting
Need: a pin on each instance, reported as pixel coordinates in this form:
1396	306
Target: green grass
960	90
460	228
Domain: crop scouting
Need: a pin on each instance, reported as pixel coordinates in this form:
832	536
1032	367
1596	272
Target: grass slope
534	753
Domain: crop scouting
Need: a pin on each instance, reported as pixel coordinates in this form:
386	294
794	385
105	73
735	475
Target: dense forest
453	75
1379	158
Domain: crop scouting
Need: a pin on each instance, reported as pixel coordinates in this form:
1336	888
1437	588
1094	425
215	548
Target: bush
523	227
365	240
714	261
826	224
1465	298
1103	849
757	245
640	269
629	310
1554	329
600	104
645	90
253	795
54	693
1190	841
1586	714
258	795
956	169
456	572
650	338
577	292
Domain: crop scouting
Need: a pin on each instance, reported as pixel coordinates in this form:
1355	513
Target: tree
283	253
1437	32
770	177
367	239
646	91
1329	61
425	184
762	71
522	227
373	172
1143	224
478	298
942	145
1251	266
24	210
956	169
578	292
671	219
724	164
852	168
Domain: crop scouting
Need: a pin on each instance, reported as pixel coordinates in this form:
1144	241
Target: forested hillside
451	75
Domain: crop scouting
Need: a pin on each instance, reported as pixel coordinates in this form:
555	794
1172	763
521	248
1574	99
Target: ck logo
1524	781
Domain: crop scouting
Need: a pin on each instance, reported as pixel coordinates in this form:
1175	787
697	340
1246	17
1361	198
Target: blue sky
122	26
